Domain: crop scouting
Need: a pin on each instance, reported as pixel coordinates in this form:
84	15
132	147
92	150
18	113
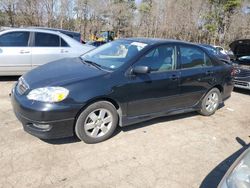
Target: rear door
48	47
15	53
197	74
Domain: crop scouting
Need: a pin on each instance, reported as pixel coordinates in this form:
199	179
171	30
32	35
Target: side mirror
140	70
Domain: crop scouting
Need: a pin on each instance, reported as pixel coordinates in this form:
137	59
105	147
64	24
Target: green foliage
227	5
145	8
217	19
231	5
3	19
210	27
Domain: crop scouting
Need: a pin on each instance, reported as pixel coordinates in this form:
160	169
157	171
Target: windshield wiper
92	63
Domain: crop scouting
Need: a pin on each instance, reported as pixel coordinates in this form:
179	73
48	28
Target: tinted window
244	60
192	57
160	59
96	43
69	35
46	40
14	39
75	36
63	43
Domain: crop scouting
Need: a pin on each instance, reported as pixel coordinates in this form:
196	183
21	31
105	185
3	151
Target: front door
158	90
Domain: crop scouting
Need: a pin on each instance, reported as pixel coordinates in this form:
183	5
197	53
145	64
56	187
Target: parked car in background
238	175
72	34
96	43
241	50
24	49
213	50
120	83
220	49
229	53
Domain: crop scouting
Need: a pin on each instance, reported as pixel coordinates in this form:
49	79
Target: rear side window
15	39
46	40
192	57
63	43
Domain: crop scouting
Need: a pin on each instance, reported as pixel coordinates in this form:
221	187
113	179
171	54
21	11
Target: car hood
240	48
61	72
84	48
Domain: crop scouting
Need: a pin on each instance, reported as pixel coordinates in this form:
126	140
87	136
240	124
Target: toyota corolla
118	84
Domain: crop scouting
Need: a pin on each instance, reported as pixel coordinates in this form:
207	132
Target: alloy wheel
98	123
212	102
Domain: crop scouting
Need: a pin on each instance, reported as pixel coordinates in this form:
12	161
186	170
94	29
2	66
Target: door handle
64	51
174	77
209	73
24	52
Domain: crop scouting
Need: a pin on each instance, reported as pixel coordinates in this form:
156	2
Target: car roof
55	29
72	42
207	45
32	30
152	41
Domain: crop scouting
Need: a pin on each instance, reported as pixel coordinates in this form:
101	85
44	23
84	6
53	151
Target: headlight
48	94
239	177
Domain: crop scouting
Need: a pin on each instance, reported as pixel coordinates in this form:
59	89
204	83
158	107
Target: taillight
233	71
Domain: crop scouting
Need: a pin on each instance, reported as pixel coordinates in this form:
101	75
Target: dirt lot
178	151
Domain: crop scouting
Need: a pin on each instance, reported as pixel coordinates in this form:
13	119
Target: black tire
204	106
80	127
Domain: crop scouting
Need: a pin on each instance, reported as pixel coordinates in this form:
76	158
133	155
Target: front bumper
242	84
43	120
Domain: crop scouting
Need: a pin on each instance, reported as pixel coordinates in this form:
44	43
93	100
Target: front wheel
210	102
97	122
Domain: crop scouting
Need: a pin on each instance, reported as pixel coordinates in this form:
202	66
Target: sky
138	1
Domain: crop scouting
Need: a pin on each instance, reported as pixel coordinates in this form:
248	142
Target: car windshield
114	54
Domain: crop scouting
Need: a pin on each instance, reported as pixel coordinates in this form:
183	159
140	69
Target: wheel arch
219	87
107	99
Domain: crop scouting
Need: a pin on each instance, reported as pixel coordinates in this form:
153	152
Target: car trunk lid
240	48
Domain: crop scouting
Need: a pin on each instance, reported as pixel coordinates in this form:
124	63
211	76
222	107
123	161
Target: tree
219	16
203	21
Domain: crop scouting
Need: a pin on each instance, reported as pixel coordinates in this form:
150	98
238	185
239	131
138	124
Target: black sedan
241	50
120	83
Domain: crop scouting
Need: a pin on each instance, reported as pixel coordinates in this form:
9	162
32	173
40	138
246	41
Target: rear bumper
45	121
227	90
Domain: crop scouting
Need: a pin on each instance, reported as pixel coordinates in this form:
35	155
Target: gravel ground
178	151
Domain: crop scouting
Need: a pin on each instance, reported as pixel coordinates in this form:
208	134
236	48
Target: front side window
114	54
160	59
46	40
15	39
192	57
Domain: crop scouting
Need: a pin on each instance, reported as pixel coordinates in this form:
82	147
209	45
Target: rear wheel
97	122
210	102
